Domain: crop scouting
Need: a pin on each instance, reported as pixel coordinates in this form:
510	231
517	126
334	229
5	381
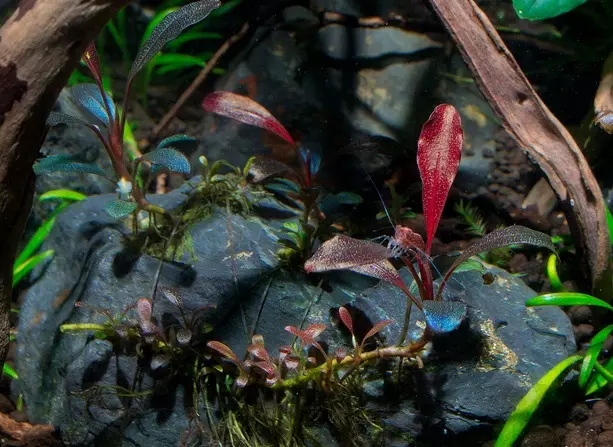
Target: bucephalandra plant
438	158
98	111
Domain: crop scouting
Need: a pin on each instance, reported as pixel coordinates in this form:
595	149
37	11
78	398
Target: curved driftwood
39	47
536	130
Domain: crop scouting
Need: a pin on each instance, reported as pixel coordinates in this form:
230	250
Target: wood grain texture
39	47
528	120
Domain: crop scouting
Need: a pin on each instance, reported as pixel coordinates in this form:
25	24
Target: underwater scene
305	223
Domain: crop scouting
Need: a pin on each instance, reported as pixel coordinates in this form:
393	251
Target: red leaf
376	329
91	59
224	350
245	110
344	252
313	331
346	318
144	309
439	149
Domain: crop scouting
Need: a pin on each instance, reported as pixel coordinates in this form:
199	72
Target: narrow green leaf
119	209
544	9
62	194
530	402
191	36
552	274
8	370
609	224
170	27
169	158
65	163
567	299
597	381
35	241
592	353
26	267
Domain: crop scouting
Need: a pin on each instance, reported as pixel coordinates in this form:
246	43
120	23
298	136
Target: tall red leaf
245	110
345	316
439	149
91	59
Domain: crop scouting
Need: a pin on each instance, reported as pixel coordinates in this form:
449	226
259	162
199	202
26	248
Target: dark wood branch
536	130
39	47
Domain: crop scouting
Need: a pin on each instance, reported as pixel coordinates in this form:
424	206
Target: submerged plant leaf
170	27
8	370
118	209
166	142
530	402
65	163
345	317
385	271
89	99
170	159
308	335
567	299
598	381
443	316
62	194
376	329
264	168
246	110
344	252
56	118
173	296
144	310
592	353
21	270
503	237
544	9
184	336
439	150
224	350
91	59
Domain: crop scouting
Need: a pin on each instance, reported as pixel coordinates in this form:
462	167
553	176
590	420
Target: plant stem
70	327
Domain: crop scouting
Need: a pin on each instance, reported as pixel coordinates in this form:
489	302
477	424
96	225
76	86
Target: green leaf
62	194
552	274
119	209
592	353
544	9
26	267
190	36
8	370
609	224
65	163
169	158
167	63
567	299
36	241
226	8
530	402
598	381
169	28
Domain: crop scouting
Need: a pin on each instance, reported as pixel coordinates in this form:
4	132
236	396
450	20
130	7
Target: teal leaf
118	209
65	163
544	9
169	28
443	316
169	158
56	118
175	139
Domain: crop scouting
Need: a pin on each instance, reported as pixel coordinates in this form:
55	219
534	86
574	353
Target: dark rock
583	332
541	436
6	406
580	314
473	378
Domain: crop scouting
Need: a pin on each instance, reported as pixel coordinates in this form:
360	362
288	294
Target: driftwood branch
39	47
536	130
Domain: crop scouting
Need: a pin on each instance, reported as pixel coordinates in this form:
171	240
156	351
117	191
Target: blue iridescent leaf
289	185
88	97
169	158
56	118
279	188
119	209
175	139
311	157
65	163
443	316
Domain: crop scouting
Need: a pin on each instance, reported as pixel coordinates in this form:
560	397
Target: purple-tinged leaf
91	59
284	351
242	380
173	296
376	329
345	317
88	98
246	110
439	149
264	168
291	362
144	310
168	29
443	316
258	351
340	353
313	331
224	351
266	367
344	252
503	237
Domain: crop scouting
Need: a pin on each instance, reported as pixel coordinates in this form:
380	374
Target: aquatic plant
438	158
544	9
317	208
108	121
593	375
